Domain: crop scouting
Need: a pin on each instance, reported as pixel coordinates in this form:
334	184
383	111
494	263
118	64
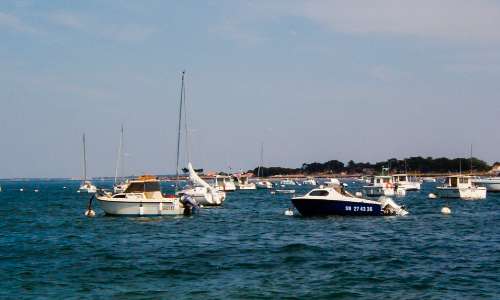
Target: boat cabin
459	181
381	180
403	178
147	185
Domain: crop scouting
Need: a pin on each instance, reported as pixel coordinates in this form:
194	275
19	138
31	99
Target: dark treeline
412	164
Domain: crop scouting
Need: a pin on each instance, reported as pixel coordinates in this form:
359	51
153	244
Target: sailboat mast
179	131
261	163
119	159
84	159
471	159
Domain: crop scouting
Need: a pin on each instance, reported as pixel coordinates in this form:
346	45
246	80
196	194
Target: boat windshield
141	187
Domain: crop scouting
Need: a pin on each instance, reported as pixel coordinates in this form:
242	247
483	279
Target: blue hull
313	207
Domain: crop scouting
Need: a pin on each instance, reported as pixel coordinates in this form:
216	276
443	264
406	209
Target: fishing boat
224	183
143	197
409	183
243	182
383	185
492	184
86	185
203	193
461	186
335	200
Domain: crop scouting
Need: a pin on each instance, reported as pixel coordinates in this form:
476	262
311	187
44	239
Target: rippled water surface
246	249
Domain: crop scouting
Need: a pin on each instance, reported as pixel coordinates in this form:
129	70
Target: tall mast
84	159
119	159
261	163
471	159
179	131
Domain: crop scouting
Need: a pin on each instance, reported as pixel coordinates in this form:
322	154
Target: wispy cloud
119	32
12	22
459	20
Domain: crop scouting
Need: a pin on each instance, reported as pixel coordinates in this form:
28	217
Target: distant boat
334	200
287	181
243	183
407	182
492	184
264	184
309	181
87	185
224	183
383	185
461	186
429	179
203	193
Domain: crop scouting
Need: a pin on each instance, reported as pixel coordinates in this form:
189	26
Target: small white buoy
445	210
359	194
90	213
201	205
289	212
21	190
432	196
64	187
78	191
36	191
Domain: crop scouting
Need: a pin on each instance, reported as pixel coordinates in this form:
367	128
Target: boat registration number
168	206
358	208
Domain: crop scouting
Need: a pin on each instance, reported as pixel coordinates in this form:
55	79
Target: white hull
91	189
249	186
204	197
125	207
264	185
469	193
492	185
410	186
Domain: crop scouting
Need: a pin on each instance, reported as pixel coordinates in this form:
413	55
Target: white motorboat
87	185
334	200
143	197
383	186
407	182
461	186
309	181
203	193
492	184
243	183
287	181
264	184
224	183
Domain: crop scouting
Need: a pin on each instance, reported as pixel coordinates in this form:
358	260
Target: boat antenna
179	133
84	159
119	157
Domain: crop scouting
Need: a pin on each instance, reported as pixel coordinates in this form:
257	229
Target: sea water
247	249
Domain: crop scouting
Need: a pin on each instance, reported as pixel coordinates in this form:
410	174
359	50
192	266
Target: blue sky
313	80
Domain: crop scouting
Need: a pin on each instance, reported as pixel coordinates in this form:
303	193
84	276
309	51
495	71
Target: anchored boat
383	186
334	200
492	184
87	185
143	197
201	191
461	186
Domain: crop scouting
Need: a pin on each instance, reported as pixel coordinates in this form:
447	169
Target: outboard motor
390	208
189	204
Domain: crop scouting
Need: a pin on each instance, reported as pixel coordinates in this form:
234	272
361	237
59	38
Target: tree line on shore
413	165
